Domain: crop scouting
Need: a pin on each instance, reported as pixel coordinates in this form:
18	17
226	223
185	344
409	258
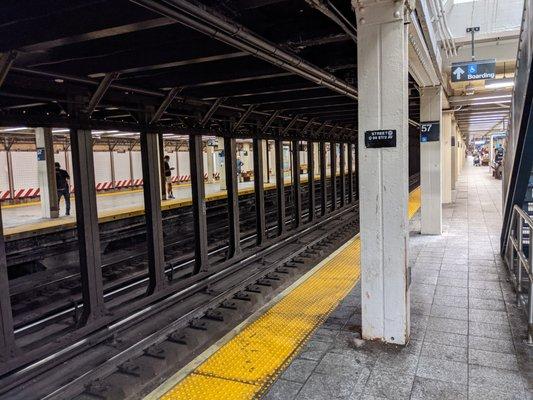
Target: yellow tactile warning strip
245	366
414	202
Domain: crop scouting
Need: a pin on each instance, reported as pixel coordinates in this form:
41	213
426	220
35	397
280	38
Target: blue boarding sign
473	70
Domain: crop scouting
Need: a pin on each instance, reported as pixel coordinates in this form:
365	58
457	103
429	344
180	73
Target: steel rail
149	309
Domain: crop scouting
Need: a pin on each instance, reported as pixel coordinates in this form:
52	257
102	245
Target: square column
384	172
454	153
430	161
221	163
210	151
446	157
46	173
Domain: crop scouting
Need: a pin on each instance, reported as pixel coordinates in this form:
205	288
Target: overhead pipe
239	37
446	27
326	8
440	28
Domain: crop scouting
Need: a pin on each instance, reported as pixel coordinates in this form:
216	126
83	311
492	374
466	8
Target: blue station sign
473	70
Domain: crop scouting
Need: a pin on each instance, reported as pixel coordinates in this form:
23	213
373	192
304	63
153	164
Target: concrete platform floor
467	334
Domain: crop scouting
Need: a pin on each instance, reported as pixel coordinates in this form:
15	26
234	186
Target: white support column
266	164
446	157
177	155
46	173
430	164
210	163
454	153
221	163
383	104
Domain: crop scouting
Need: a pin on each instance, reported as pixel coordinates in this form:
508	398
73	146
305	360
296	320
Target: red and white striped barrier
25	193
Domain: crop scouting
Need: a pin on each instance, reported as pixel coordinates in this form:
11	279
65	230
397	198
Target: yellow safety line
122	213
248	364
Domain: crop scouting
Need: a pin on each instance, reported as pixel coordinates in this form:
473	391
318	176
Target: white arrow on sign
458	72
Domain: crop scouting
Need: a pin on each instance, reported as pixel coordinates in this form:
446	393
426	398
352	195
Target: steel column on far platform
323	188
230	161
431	163
333	167
382	54
162	178
350	172
446	157
296	188
280	185
311	179
7	339
152	206
258	148
87	224
198	203
342	184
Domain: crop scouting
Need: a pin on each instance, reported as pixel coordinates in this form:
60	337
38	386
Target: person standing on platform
63	187
239	169
168	177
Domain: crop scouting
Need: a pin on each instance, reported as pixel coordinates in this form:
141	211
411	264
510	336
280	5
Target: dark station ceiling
181	65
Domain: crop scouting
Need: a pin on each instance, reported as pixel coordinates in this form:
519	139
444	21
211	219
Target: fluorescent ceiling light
499	83
99	132
15	129
489	102
60	130
126	134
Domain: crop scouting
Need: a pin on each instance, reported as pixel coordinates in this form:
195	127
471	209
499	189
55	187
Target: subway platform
467	334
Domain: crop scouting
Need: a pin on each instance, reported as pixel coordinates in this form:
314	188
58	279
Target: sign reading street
473	70
380	138
429	131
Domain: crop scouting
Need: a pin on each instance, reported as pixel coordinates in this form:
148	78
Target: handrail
519	265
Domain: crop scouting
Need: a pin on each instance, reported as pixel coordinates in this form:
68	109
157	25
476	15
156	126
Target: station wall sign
380	138
41	154
473	70
429	131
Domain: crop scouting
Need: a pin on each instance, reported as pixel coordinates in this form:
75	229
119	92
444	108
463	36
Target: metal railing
520	265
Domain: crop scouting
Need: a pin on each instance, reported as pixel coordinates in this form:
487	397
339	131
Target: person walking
63	187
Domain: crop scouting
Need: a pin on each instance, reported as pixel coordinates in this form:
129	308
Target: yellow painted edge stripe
114	215
231	369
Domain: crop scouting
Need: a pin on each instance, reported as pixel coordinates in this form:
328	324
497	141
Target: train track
112	361
239	287
58	295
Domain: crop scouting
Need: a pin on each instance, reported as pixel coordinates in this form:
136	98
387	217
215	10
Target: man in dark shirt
168	177
63	187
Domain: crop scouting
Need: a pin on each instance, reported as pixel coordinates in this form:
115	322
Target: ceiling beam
290	125
167	101
6	61
270	120
101	91
244	117
211	111
98	34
